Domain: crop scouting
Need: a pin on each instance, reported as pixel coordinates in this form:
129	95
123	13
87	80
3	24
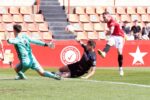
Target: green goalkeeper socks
51	75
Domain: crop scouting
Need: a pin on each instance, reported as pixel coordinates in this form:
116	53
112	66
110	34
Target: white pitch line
110	82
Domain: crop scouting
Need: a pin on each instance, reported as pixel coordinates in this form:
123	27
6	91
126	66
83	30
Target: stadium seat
28	18
7	18
9	27
111	10
73	18
10	35
84	18
145	18
125	18
135	17
121	10
93	35
43	26
2	36
78	27
38	18
32	27
102	35
88	27
100	10
2	27
3	10
141	10
131	10
90	10
47	35
80	10
26	10
94	18
14	10
18	18
81	35
99	27
36	35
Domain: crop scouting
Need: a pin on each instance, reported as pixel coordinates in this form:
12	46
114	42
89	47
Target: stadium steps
56	18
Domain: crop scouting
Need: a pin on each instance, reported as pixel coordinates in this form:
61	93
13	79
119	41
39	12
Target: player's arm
90	73
41	43
82	44
13	41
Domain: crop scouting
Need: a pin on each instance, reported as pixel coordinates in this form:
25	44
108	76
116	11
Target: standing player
85	65
116	39
27	59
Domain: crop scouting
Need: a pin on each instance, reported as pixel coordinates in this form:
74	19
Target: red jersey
117	28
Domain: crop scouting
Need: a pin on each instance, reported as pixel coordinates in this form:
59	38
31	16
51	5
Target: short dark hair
91	43
106	13
17	28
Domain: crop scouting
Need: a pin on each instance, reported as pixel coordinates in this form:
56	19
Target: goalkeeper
27	59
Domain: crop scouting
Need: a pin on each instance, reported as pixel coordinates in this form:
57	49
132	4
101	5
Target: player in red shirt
116	39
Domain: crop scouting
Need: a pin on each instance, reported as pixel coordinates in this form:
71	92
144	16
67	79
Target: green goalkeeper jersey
22	45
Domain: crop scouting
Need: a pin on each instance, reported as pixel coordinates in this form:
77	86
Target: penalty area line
110	82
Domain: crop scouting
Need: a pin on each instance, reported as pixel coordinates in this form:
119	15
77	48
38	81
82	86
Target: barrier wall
136	53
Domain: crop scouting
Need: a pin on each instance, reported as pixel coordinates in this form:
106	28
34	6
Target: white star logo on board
138	56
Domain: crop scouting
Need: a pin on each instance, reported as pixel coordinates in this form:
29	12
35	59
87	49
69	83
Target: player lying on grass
85	65
27	59
116	39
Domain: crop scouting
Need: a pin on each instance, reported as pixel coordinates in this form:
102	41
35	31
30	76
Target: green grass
39	88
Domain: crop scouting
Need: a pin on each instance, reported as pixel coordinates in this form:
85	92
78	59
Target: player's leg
119	46
64	72
106	49
20	72
36	66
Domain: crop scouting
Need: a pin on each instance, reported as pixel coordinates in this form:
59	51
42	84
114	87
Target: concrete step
58	23
55	15
55	20
64	36
58	28
50	3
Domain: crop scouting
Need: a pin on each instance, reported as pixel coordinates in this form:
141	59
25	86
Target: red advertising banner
136	53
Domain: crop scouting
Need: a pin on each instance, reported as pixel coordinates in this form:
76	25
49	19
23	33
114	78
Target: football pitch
104	85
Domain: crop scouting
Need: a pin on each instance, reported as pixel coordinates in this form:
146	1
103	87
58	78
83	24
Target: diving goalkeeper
27	59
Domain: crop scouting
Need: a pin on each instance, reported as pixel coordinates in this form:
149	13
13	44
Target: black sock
106	49
120	60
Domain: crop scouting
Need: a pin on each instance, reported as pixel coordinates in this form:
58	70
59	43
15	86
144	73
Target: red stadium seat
135	17
24	27
2	28
43	26
32	27
94	18
90	10
88	27
47	35
9	27
146	18
7	18
111	10
125	18
18	18
36	35
99	27
73	18
26	10
121	10
131	10
80	10
102	35
82	35
38	18
141	10
28	18
84	18
100	10
93	35
14	10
